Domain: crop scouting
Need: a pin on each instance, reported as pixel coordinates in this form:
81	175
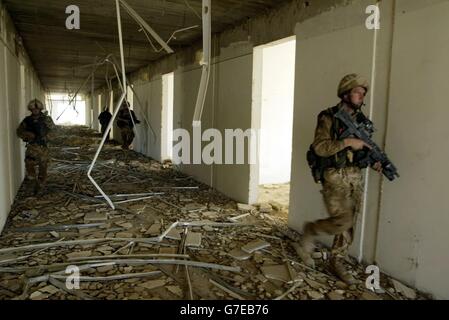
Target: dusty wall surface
149	95
18	84
413	238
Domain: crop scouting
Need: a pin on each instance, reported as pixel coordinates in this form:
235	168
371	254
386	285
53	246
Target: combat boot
304	254
305	250
338	269
37	188
29	185
40	187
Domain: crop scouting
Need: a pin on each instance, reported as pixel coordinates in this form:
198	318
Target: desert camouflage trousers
342	194
36	155
127	137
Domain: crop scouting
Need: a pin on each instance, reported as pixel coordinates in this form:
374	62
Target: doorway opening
273	96
167	117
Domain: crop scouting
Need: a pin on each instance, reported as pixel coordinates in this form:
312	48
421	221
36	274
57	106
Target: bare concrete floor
215	247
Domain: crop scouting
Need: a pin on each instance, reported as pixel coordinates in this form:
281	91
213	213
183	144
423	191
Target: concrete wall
403	224
148	103
228	106
413	238
18	84
186	83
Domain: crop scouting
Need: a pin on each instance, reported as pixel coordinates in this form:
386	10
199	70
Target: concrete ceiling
57	53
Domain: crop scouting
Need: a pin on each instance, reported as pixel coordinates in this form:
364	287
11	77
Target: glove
28	136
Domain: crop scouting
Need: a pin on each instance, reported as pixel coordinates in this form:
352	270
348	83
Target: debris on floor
169	237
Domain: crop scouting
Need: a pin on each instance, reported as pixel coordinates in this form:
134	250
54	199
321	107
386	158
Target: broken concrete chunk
79	254
174	234
369	296
193	239
402	288
49	289
37	295
154	230
255	245
239	278
124	235
194	207
208	228
54	234
258	257
84	231
210	215
239	254
276	206
278	272
265	208
95	216
278	292
105	249
194	216
168	250
341	285
315	295
126	225
245	207
334	295
379	291
175	290
314	284
152	284
105	268
317	255
127	269
261	278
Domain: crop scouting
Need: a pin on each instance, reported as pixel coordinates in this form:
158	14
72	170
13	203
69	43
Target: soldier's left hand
378	167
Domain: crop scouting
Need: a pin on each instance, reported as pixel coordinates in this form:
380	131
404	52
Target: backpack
319	164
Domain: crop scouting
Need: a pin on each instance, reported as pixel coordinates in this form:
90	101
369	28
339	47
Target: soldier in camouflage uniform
34	130
104	119
342	183
126	124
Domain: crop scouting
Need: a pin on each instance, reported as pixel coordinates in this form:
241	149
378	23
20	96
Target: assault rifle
362	128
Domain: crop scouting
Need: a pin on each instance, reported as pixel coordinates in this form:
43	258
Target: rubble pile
169	237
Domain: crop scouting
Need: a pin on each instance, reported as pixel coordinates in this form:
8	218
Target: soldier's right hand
356	144
29	136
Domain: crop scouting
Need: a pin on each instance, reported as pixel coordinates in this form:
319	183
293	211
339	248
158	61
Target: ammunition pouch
318	165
